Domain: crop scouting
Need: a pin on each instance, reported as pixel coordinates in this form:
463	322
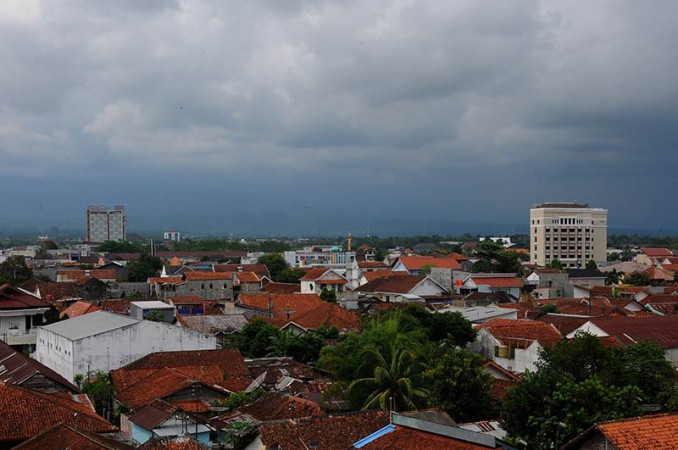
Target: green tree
15	271
492	257
638	279
328	295
546	409
257	339
275	263
459	385
548	308
426	269
381	334
51	315
555	264
580	382
396	384
613	277
142	269
99	389
120	247
451	326
290	275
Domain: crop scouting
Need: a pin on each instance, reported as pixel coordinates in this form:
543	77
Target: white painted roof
152	304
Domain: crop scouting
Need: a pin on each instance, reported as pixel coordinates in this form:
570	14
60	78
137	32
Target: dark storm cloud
384	107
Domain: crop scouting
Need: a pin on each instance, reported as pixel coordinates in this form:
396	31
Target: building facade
105	224
572	233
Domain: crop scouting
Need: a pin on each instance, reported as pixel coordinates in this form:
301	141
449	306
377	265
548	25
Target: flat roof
90	324
152	304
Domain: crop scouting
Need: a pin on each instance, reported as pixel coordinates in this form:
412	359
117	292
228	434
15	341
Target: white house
20	313
493	282
106	341
514	344
402	288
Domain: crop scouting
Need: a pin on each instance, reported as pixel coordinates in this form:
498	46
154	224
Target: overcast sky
331	116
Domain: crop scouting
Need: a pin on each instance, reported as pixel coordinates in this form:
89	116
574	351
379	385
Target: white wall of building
113	349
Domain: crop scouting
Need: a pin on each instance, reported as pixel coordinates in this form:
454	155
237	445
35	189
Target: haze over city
327	117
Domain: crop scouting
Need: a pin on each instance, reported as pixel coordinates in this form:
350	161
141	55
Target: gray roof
152	304
90	324
214	323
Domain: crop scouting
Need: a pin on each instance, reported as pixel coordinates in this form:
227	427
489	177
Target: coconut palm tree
396	384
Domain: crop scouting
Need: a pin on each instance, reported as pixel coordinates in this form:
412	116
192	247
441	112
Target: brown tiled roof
13	298
199	276
228	360
417	262
247	277
656	432
75	275
187	300
314	273
165	280
564	324
276	406
325	432
327	315
164	382
282	288
16	368
656	252
52	291
260	269
628	330
521	333
371	265
396	285
63	436
120	306
413	439
382	273
498	282
79	308
279	302
27	413
171	443
153	414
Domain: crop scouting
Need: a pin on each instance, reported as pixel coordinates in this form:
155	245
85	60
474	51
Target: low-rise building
106	341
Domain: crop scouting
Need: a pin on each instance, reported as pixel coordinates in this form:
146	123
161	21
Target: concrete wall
113	349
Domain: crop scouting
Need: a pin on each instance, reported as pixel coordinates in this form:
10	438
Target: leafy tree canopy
580	382
276	265
142	269
15	271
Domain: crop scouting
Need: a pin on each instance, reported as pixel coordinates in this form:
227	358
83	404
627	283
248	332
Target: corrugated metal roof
90	324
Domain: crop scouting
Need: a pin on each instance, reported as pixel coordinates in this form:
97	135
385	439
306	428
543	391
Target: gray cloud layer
361	111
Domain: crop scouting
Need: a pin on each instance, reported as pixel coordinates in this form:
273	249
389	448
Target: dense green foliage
261	339
121	247
99	389
494	258
396	384
410	358
145	267
458	384
15	271
637	279
580	382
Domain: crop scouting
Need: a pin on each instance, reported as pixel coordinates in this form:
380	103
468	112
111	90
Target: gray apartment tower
106	225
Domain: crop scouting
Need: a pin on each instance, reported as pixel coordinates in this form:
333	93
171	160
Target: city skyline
325	117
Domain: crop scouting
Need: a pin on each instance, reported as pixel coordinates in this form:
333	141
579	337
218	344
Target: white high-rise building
572	233
106	225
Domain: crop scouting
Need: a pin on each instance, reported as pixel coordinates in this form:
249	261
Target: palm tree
395	385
